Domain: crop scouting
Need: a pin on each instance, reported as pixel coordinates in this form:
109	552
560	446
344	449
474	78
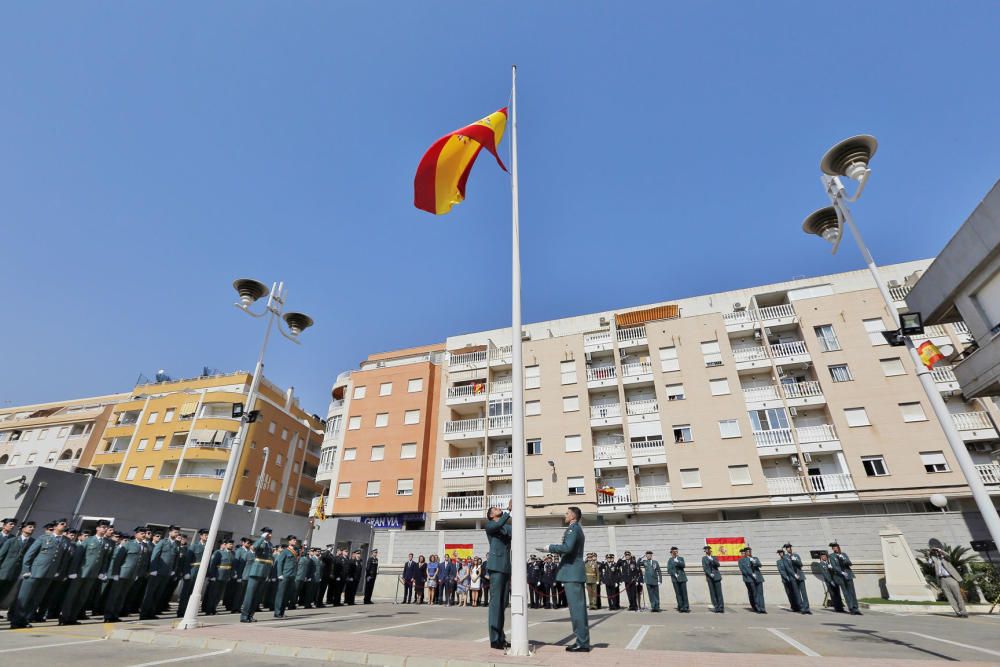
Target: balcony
501	355
501	500
814	434
838	484
745	320
194	475
637	372
648	452
601	376
461	507
127	418
467	360
899	293
606	415
989	473
760	356
465	429
462	466
501	424
653	494
643	410
631	336
621	501
597	341
974	426
610	456
500	464
468	393
944	378
501	387
773	437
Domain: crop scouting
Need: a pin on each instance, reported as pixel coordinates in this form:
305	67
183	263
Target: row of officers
69	575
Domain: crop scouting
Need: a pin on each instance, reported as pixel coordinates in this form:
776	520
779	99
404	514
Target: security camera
17	480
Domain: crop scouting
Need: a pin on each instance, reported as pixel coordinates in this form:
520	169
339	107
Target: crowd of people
72	575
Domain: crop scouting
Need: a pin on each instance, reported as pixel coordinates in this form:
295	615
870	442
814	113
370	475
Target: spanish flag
444	169
929	354
726	549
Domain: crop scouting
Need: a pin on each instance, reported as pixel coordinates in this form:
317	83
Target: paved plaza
398	634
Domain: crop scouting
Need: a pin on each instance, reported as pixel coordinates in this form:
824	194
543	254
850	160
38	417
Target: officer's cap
291	537
265	530
833	544
139	529
27	523
9	520
173	528
203	531
786	545
649	553
58	521
781	551
610	556
50	524
245	539
72	530
674	549
103	522
707	547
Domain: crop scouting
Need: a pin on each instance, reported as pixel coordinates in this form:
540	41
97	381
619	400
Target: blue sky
150	153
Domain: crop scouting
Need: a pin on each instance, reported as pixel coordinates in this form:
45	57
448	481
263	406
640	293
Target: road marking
29	648
637	639
953	643
183	658
307	621
799	645
393	627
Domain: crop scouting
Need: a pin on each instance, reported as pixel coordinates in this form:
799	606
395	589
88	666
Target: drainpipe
187	441
138	425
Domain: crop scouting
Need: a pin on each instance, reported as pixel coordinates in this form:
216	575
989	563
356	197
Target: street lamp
851	158
250	291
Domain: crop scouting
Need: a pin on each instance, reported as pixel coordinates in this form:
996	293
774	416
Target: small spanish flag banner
462	550
444	169
726	549
929	354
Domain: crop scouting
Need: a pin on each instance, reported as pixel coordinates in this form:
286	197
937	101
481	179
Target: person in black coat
610	579
420	580
549	593
371	573
409	578
335	594
352	572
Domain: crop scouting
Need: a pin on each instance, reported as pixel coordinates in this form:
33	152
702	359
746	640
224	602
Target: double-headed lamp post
850	158
250	291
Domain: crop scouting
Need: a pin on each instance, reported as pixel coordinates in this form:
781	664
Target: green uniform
11	554
93	557
257	572
41	564
304	571
710	564
220	572
162	568
498	565
675	568
285	567
127	566
754	581
652	576
843	577
573	576
195	552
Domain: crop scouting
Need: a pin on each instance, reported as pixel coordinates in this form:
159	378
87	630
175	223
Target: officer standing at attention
710	565
93	563
125	571
675	568
337	574
627	571
798	578
257	571
590	566
220	573
303	575
371	574
498	532
39	567
162	565
609	578
826	574
653	577
754	580
573	577
7	530
286	568
11	554
843	576
195	553
352	573
784	571
535	568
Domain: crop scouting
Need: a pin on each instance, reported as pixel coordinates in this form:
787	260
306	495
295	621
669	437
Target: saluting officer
753	579
798	582
257	571
675	568
94	556
710	565
843	576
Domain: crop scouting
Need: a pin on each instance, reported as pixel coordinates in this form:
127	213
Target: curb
927	609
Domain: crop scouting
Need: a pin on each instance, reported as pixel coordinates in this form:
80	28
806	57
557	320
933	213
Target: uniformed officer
40	565
303	579
785	572
678	577
162	568
753	579
710	565
590	567
843	577
220	573
353	573
94	556
794	567
7	530
573	577
628	571
549	593
535	568
241	556
826	574
653	577
51	604
609	579
338	573
371	574
257	571
326	568
498	532
125	570
12	552
195	553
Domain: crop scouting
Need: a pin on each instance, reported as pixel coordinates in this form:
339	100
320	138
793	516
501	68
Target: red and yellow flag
726	549
929	354
444	169
461	550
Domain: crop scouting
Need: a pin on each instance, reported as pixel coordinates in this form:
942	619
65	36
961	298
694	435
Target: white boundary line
799	645
637	639
953	643
28	648
393	627
183	658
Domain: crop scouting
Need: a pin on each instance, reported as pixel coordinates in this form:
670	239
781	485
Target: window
284	434
385	389
682	433
768	420
874	466
62	432
532	377
840	373
912	412
934	461
574	443
532	408
158	443
567	372
719	387
533	447
51	457
827	337
729	428
354	423
359	392
152	417
30	459
875	327
575	486
344	490
43	433
535	488
411	417
168	416
374	488
130	475
739	475
278	460
571	403
408	450
142	445
415	385
675	392
271	428
690	477
892	366
378	453
382	420
350	453
668	359
404	487
856	417
712	353
148	472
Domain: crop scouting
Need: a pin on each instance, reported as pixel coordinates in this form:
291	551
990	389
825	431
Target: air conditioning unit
737	306
893	283
767	331
793	459
604	321
807	457
793	412
756	335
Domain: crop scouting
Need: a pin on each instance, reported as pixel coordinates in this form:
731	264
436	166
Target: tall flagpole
519	537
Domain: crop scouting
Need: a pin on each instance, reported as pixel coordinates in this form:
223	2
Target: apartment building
61	435
378	448
774	401
177	436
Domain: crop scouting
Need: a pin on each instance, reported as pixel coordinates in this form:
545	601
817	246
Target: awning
188	408
220	436
463	484
204	435
500	478
646	315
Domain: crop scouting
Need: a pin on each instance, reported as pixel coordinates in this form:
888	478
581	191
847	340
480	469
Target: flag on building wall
463	550
726	549
929	354
444	169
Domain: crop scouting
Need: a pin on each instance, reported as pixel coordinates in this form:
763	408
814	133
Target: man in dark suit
498	531
573	577
352	574
409	576
337	573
